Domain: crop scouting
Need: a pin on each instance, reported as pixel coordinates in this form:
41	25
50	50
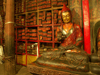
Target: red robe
73	37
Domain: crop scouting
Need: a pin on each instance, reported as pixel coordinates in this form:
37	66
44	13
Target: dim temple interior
49	37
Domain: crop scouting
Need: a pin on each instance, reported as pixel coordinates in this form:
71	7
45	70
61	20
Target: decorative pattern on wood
46	71
76	8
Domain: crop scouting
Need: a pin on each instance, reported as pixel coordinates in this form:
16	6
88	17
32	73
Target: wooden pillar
86	26
9	39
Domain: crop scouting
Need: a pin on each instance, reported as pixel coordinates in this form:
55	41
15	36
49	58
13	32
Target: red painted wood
21	64
26	47
46	41
32	40
33	26
56	24
53	39
19	27
86	25
21	40
21	53
31	54
46	25
38	42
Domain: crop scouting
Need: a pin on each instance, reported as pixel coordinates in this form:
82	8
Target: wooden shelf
20	53
33	26
45	9
19	26
26	26
56	24
36	25
32	40
59	7
56	42
21	40
27	14
46	25
46	41
31	11
20	13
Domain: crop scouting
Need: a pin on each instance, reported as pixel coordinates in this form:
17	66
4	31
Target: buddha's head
66	14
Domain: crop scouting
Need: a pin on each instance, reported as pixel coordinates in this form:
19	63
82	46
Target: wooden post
86	22
9	39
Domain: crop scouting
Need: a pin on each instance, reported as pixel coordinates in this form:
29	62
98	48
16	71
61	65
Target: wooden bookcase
27	47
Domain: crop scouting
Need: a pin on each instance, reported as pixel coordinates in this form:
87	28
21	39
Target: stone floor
20	70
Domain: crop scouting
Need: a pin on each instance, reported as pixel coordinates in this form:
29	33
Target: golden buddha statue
68	56
70	33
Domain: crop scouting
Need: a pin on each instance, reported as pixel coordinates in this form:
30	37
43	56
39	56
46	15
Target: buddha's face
66	16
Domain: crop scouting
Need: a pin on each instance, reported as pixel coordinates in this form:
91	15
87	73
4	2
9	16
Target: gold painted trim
70	32
8	22
79	39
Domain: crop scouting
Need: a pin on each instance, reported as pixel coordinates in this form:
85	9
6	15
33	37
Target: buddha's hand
59	35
